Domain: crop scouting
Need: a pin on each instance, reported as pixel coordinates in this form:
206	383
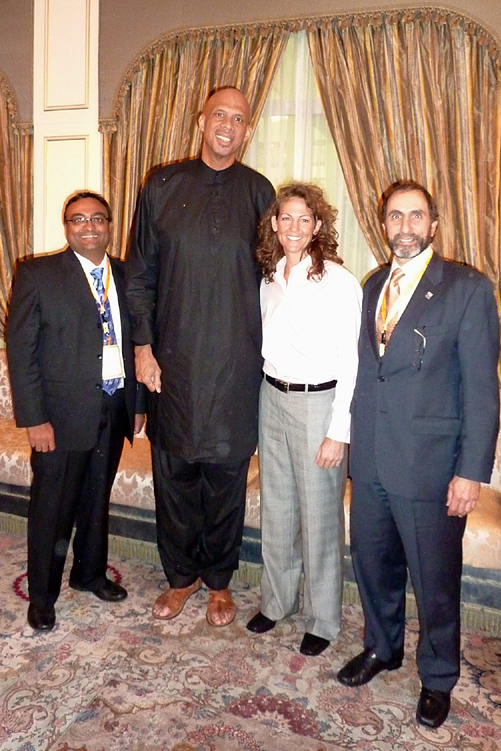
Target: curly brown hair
324	243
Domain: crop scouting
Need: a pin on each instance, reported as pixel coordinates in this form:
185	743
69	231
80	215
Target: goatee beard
409	251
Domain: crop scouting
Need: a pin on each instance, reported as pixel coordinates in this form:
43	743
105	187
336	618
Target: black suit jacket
54	349
421	415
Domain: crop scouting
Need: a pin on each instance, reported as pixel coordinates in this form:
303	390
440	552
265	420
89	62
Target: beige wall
16	52
127	26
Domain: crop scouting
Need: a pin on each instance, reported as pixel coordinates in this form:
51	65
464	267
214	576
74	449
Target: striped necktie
109	336
386	324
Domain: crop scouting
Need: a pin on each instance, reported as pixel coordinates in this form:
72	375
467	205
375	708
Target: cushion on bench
133	487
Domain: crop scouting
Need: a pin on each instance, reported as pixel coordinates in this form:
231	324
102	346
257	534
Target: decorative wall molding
67	142
59	182
67	55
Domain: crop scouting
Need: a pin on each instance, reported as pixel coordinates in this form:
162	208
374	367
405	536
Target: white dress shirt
310	333
88	266
413	271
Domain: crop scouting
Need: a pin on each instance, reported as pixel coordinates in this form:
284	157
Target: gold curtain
417	94
159	101
16	192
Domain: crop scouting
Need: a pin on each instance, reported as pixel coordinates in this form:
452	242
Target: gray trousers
302	515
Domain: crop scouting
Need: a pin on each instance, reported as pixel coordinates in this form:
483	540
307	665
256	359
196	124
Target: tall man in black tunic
193	293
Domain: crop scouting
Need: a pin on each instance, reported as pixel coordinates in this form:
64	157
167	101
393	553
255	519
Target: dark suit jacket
421	417
54	349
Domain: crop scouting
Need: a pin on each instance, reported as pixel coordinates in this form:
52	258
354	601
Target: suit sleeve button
381	379
99	357
98	385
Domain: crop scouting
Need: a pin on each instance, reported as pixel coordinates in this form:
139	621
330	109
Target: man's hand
462	496
138	423
330	454
147	369
41	437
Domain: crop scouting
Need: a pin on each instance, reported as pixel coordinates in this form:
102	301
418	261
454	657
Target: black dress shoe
433	707
108	591
362	668
260	624
41	619
313	645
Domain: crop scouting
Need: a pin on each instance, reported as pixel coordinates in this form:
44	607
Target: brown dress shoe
173	601
221	609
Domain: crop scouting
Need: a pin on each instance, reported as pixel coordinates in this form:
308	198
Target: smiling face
225	125
408	226
88	239
295	226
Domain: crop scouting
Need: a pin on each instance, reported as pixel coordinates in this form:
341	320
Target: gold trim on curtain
407	93
16	192
417	94
159	101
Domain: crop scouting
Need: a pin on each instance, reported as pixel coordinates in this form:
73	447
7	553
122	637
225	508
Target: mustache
408	236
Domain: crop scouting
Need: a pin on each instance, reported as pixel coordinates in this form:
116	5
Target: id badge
113	366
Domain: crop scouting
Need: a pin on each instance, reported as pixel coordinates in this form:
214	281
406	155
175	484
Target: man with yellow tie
425	418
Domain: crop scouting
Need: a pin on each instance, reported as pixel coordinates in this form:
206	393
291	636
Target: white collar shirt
310	333
413	271
87	267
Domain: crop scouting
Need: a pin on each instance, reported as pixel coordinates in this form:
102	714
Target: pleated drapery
409	93
162	95
16	192
417	94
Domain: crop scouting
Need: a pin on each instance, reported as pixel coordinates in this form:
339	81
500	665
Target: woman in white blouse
310	308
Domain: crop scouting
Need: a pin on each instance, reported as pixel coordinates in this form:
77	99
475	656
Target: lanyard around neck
106	287
387	315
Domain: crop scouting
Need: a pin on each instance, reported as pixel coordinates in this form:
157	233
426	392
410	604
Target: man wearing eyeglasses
425	418
73	387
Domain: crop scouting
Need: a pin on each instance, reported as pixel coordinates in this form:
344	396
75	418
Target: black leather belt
286	387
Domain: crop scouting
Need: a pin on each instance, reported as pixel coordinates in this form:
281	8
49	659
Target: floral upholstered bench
132	515
132	500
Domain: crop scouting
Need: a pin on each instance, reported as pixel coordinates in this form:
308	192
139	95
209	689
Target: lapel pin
429	295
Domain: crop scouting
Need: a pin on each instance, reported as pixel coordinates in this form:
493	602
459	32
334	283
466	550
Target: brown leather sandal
175	599
220	604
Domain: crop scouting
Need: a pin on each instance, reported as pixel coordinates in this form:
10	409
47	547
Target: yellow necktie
388	314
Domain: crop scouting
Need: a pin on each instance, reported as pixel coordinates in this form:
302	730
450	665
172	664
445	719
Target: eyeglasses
79	220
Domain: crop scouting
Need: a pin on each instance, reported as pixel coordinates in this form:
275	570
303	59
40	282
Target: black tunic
193	293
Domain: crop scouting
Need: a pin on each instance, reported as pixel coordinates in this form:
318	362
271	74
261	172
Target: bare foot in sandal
221	609
171	602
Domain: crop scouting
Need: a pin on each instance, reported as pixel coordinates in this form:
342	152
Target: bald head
231	97
225	124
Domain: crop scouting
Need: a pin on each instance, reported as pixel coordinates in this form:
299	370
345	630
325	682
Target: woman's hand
330	454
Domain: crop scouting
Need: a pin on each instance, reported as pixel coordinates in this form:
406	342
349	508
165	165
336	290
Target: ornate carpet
110	677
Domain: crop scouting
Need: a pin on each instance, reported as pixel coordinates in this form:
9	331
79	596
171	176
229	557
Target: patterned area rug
110	677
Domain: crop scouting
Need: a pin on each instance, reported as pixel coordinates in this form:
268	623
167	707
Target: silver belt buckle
285	384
